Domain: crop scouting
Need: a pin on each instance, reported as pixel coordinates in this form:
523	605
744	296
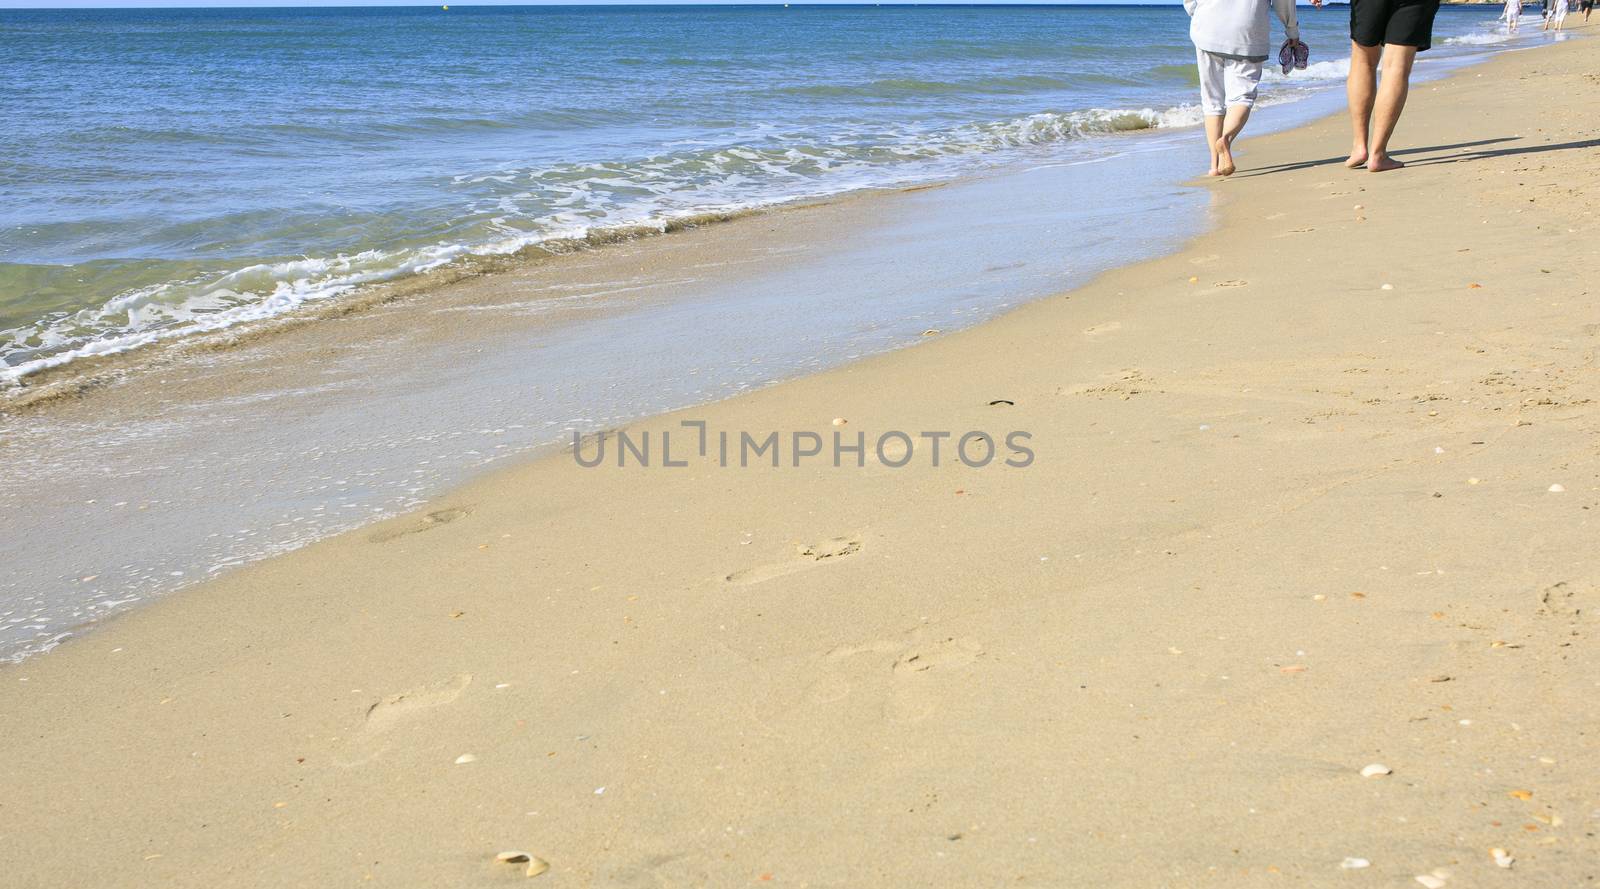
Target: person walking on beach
1392	31
1512	15
1558	15
1231	40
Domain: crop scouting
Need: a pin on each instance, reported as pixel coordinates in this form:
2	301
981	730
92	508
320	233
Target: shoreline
74	375
323	427
82	374
1247	554
850	245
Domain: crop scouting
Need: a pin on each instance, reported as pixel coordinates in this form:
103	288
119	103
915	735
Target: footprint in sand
1570	600
384	715
1107	327
426	523
659	870
939	654
907	676
806	556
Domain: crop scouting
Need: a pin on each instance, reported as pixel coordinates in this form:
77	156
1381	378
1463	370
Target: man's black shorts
1401	22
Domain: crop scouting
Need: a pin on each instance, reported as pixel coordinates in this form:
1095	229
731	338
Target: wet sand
366	408
1315	493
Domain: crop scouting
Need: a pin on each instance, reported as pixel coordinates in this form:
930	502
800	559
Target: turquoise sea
170	171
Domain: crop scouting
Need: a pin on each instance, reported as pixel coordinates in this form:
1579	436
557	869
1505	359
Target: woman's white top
1238	27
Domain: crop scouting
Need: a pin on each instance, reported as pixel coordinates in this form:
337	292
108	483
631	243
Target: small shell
1430	881
1501	857
839	421
1376	770
465	758
1555	489
1293	668
512	857
1387	287
537	866
1355	863
1520	794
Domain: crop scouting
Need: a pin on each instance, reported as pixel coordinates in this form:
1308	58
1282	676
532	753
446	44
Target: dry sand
1291	514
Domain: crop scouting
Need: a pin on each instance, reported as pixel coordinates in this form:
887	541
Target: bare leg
1397	61
1231	125
1361	87
1213	135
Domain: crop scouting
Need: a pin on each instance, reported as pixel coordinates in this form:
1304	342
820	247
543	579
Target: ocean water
164	172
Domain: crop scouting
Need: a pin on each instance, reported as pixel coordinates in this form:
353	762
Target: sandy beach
1317	492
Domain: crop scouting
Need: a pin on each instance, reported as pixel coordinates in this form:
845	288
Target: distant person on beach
1392	31
1231	40
1512	15
1558	15
1584	7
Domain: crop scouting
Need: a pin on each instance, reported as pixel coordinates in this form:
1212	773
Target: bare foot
1358	158
1380	163
1224	158
1213	172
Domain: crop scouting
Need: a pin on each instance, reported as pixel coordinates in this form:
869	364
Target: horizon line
480	4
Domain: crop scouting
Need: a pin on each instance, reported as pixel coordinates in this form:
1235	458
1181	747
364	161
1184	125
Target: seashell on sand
512	857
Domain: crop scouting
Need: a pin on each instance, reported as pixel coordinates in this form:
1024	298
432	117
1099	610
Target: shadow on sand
1461	149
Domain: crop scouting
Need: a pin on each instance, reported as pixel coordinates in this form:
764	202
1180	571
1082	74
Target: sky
172	4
